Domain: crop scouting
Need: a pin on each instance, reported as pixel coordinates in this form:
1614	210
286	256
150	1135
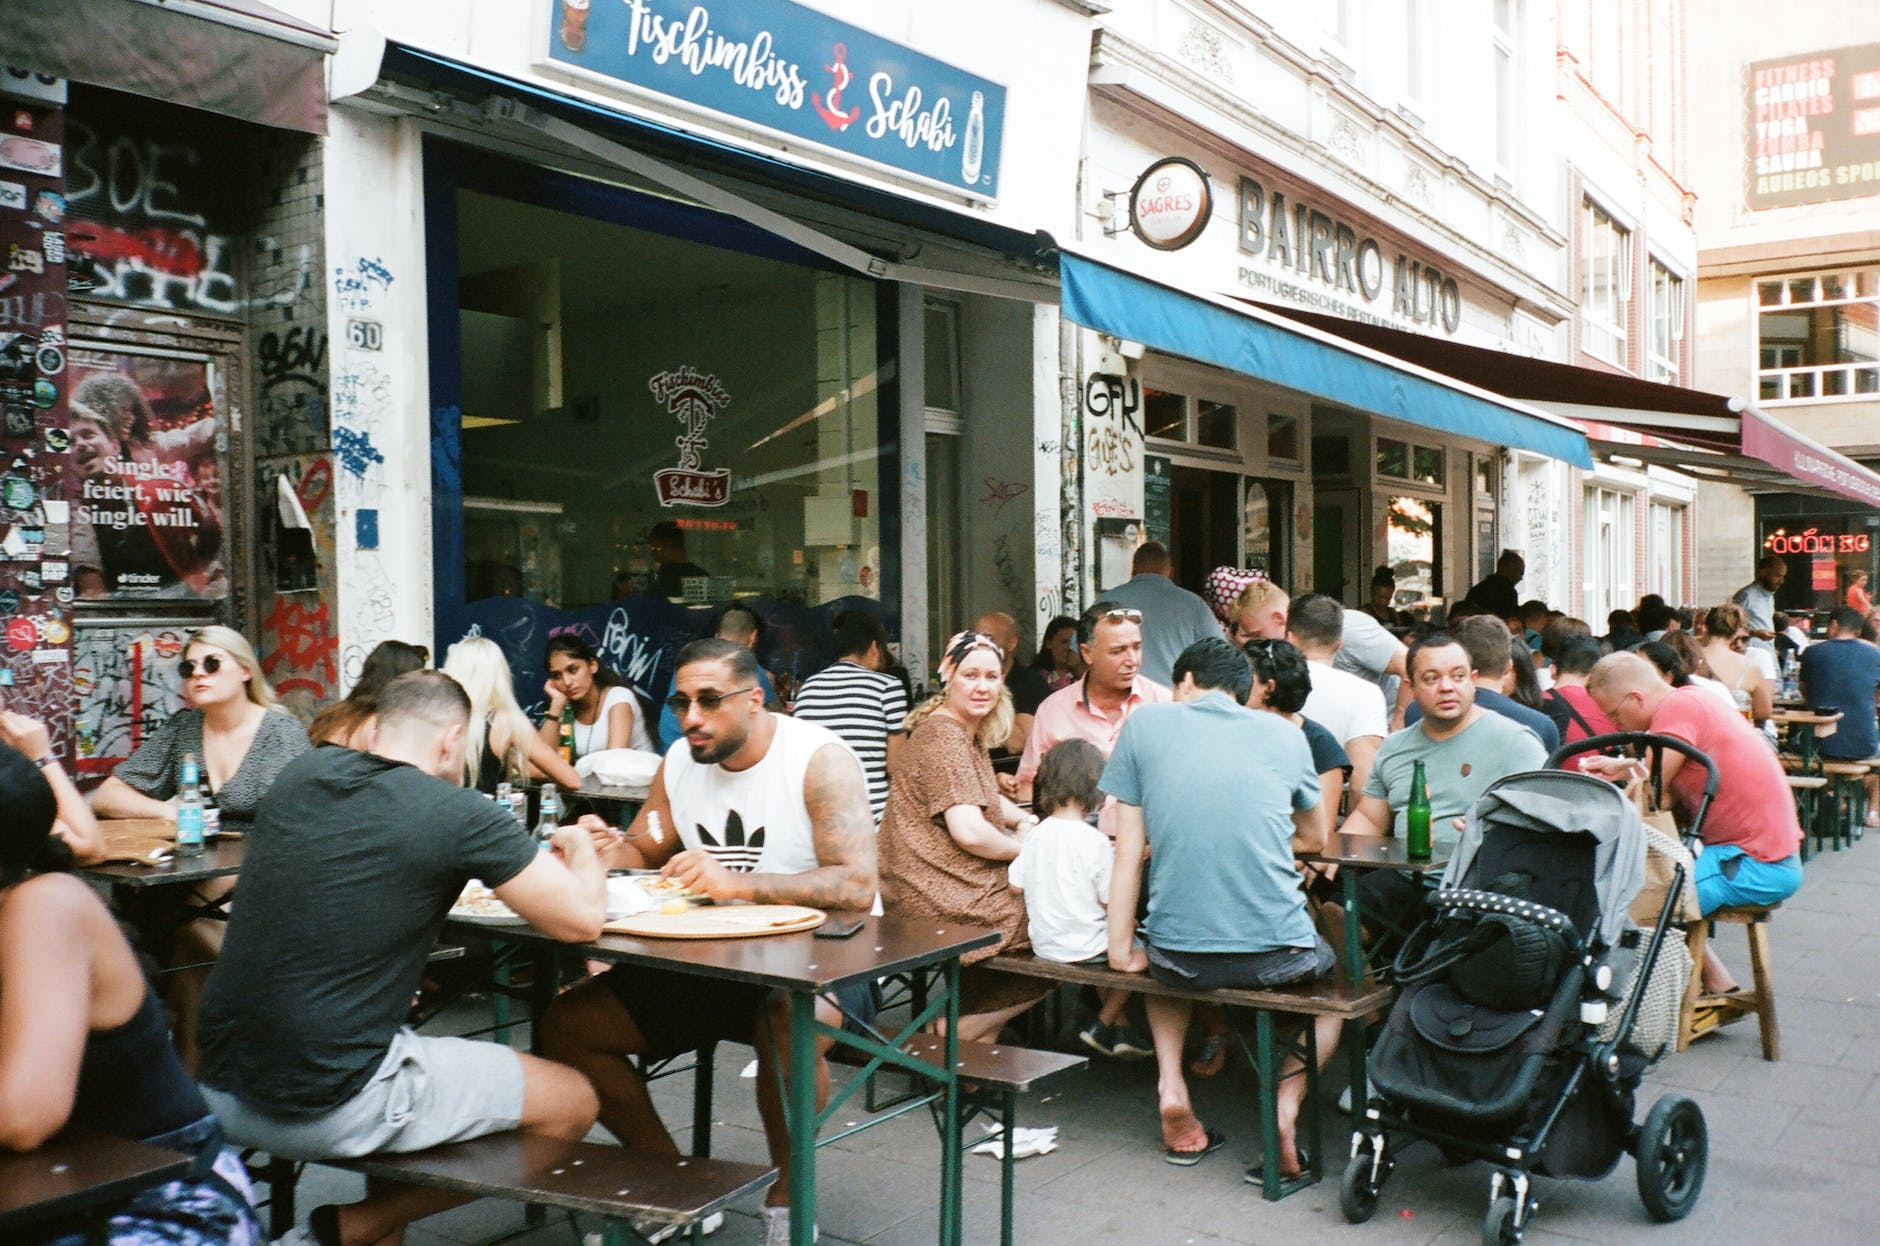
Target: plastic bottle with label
549	820
189	809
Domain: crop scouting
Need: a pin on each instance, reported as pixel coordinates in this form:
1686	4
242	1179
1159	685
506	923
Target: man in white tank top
754	807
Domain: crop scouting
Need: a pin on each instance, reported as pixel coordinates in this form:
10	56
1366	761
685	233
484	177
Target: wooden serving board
731	921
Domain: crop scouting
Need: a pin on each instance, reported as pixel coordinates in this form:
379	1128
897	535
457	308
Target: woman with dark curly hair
84	1042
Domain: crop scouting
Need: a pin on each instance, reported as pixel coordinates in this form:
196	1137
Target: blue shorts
1726	876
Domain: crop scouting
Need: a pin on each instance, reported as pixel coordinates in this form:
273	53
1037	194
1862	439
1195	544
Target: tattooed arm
836	796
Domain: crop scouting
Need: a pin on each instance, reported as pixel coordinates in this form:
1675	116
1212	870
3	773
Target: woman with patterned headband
947	834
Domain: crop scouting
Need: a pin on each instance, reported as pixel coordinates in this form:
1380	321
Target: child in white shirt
1063	870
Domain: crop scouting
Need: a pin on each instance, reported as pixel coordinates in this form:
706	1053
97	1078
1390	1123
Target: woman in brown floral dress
947	834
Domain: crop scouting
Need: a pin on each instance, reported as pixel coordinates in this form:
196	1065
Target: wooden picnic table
77	1172
129	842
806	968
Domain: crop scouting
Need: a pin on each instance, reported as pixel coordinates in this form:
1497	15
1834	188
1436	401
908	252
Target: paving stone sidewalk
1795	1147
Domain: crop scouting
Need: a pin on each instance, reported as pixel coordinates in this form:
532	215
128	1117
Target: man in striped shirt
857	701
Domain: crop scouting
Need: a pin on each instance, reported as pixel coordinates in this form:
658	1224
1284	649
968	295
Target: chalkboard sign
1156	483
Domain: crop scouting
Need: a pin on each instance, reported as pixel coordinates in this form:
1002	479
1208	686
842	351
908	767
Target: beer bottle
1416	817
566	742
189	810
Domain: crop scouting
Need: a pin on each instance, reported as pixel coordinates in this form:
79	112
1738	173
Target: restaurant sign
798	74
1813	127
693	398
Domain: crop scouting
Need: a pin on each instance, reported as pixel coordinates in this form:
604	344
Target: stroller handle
1647	740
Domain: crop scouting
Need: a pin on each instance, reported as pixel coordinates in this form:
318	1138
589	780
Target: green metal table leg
1266	1064
1008	1190
951	1125
702	1070
800	1113
1354	974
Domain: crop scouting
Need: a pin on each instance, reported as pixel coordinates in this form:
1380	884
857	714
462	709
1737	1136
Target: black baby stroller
1517	1037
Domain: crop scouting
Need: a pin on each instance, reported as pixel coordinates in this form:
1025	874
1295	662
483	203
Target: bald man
1172	617
1022	679
1751	835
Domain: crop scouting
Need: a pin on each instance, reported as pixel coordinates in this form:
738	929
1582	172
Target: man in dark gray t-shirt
353	861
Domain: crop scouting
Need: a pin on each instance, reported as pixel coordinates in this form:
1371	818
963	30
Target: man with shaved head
1751	835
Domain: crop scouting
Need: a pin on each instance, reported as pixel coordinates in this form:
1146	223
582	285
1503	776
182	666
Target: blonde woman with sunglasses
238	733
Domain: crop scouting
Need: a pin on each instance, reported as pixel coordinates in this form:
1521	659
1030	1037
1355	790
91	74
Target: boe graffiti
142	228
125	685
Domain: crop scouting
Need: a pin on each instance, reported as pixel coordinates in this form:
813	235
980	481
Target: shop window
1164	414
1606	285
1393	458
1819	337
943	356
1282	439
1507	82
1667	327
1414	547
1610	539
1217	425
1666	551
1264	515
687	421
1428	465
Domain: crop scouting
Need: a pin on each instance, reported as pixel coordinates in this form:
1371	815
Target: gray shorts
1212	971
426	1092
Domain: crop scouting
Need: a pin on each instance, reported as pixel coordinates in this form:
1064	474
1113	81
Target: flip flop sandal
1257	1174
1188	1159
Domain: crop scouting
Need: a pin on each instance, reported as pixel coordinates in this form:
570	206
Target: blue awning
1261	345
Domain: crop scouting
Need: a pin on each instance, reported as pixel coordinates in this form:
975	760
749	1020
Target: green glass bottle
1416	817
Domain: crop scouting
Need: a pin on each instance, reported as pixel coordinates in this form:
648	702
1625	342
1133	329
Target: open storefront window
1414	547
652	415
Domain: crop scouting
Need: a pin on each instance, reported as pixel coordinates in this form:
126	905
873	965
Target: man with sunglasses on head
1109	637
751	806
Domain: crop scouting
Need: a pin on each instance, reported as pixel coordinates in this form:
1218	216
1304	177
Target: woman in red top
1856	595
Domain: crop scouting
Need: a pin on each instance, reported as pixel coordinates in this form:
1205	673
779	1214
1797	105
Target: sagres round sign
1170	204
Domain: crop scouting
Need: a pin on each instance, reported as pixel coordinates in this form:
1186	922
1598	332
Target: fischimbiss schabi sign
795	73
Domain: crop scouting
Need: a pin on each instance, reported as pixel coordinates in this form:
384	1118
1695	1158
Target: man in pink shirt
1109	637
1751	835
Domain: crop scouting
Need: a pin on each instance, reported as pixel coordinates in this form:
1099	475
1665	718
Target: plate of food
724	921
479	904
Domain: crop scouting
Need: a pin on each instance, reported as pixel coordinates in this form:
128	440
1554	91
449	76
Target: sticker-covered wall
36	475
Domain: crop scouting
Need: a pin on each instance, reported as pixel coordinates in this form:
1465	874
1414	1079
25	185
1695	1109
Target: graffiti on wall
146	227
125	685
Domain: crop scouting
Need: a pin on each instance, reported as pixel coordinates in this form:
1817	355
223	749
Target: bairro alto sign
798	74
1303	255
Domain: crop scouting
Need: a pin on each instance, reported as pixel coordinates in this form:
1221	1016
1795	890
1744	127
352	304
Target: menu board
1813	127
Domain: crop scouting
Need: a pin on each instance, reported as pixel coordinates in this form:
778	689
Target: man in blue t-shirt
1488	642
1842	673
1224	797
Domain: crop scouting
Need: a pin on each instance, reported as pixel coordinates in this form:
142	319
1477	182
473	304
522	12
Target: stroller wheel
1358	1191
1673	1152
1498	1227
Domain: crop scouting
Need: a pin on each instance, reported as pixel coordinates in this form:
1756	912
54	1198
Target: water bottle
502	794
519	807
189	810
550	820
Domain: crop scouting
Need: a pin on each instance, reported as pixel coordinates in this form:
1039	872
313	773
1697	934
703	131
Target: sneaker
1099	1037
777	1227
1129	1043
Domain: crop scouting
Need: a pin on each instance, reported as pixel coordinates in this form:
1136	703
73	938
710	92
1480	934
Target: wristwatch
45	761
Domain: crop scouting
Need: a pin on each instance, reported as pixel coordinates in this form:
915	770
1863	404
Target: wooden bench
992	1076
1330	997
634	1192
1701	1012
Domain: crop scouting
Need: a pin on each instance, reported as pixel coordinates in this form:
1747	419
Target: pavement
1795	1145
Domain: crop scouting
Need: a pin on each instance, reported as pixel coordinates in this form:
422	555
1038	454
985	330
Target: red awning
239	58
1707	435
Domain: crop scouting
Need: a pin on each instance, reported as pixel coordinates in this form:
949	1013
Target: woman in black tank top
70	986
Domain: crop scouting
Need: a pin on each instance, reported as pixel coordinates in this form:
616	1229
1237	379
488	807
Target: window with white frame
1609	542
1606	285
1818	336
1665	550
1667	328
1502	41
1414	85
